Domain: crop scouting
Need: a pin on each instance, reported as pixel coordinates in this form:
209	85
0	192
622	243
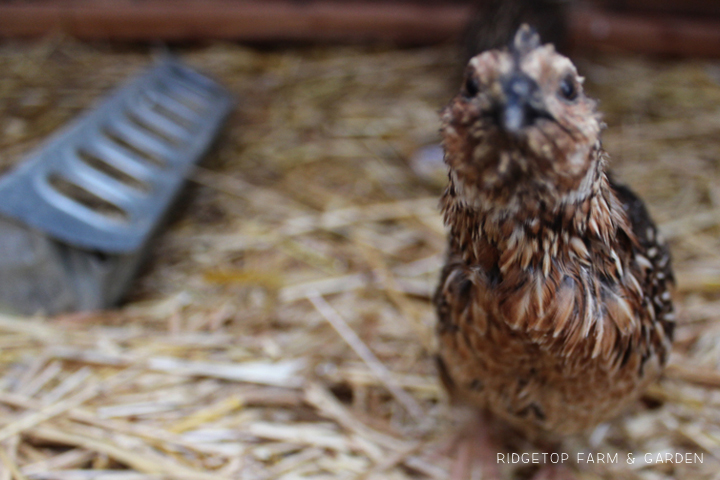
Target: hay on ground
284	328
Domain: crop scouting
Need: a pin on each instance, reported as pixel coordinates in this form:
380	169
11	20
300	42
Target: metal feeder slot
155	129
145	114
138	142
117	142
81	200
97	182
165	104
195	103
134	166
113	170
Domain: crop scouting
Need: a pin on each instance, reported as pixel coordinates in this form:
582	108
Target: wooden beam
399	21
236	20
684	7
642	33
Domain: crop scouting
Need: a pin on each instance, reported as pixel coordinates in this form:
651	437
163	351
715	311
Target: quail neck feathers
554	306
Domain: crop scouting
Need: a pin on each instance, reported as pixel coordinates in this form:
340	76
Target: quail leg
476	452
554	472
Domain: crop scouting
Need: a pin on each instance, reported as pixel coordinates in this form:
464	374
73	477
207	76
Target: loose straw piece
699	376
51	411
142	460
70	459
207	414
375	365
35	418
10	465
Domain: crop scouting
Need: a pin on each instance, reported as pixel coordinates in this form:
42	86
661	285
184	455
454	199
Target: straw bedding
283	327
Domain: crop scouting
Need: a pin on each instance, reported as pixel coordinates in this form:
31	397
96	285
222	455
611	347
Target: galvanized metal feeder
77	215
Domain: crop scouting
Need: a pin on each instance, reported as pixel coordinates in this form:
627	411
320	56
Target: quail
555	302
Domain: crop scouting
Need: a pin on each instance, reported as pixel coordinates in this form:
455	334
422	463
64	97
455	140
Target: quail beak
523	103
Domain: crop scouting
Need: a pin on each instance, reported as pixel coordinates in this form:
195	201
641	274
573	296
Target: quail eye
472	87
568	90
